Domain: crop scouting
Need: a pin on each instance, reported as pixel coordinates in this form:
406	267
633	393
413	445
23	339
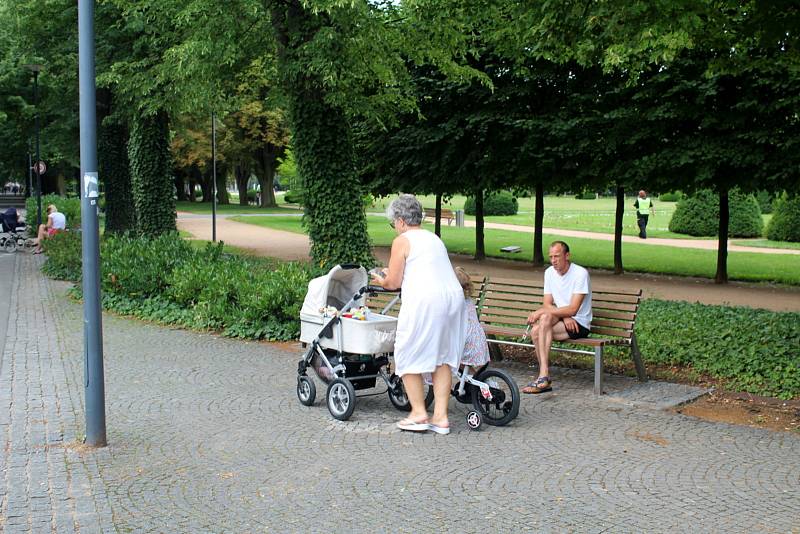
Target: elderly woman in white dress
430	326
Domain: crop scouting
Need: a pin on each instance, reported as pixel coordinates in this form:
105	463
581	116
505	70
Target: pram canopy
335	289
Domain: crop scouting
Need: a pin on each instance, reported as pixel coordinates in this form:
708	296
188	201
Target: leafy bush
495	203
753	350
586	195
294	196
164	279
63	256
673	196
252	195
69	206
785	222
698	215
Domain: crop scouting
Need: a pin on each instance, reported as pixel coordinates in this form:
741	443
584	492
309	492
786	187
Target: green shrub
495	203
586	195
63	256
673	196
294	197
752	350
785	222
698	215
166	280
69	206
252	195
140	267
765	201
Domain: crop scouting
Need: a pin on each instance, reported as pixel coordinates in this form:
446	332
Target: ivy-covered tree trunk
323	145
722	248
480	245
148	151
115	172
538	225
620	211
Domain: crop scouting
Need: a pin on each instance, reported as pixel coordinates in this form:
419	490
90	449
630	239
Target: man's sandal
540	385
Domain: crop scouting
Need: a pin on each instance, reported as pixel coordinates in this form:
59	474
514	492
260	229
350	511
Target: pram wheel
341	399
306	390
10	246
399	398
503	406
28	244
474	420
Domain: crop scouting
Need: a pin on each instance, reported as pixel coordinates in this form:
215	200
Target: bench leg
598	370
637	360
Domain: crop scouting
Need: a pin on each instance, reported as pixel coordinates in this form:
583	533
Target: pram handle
377	289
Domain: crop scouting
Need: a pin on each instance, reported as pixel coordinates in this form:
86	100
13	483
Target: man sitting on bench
566	311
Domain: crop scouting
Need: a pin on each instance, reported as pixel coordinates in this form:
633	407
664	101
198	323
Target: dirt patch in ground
721	405
746	409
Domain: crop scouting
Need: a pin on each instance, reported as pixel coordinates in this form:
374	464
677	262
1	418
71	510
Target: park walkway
291	246
206	435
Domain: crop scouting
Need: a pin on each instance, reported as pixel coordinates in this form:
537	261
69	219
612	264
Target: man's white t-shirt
59	221
574	281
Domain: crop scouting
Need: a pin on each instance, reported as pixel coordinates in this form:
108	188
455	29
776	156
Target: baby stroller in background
345	352
13	232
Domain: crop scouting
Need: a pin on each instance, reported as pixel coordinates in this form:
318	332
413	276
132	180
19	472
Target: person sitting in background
56	222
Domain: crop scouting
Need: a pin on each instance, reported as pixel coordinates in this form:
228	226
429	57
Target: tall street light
36	69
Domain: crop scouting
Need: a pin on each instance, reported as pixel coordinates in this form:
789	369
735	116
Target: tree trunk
538	225
437	225
266	179
618	230
222	184
192	187
180	185
722	248
480	246
151	176
242	177
323	145
205	184
115	171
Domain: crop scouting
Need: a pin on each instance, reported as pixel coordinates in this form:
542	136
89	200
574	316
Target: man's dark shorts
582	332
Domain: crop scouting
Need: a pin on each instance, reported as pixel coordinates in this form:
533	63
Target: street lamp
36	69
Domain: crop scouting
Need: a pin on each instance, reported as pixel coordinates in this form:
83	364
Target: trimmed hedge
785	222
495	203
69	206
673	196
294	197
698	215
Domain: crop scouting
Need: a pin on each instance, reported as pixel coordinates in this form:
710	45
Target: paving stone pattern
206	435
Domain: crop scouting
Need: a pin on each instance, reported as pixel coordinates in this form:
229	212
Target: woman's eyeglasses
391	223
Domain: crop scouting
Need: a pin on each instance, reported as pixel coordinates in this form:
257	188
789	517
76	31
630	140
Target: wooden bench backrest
378	301
507	302
446	213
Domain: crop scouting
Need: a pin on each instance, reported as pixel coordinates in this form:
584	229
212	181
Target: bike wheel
10	246
501	405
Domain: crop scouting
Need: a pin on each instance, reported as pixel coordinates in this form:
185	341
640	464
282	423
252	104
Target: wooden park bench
448	215
505	303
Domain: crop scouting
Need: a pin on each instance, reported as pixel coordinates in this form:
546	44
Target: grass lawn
568	213
747	266
766	243
204	208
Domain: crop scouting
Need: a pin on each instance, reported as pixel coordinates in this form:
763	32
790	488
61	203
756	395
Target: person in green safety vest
644	206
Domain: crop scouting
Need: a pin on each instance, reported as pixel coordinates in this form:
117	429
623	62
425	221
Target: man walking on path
566	311
643	206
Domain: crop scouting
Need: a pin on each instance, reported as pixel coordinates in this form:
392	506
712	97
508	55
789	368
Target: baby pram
12	236
347	353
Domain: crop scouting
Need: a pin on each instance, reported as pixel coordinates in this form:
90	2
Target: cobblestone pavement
206	435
